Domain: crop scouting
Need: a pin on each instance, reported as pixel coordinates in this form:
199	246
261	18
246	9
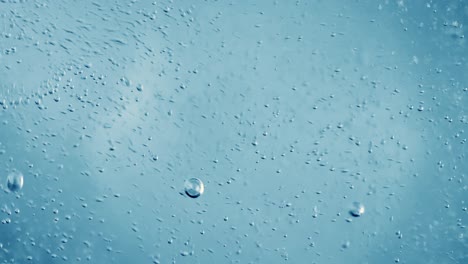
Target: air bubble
15	181
139	87
194	187
357	209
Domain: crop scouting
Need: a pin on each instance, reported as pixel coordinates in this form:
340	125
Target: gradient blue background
288	111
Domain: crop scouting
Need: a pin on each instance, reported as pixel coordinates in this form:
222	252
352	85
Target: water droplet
357	209
194	187
15	181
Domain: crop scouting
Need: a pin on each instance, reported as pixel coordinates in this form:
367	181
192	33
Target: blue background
288	111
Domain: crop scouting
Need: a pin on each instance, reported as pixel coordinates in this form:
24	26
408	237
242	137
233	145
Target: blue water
323	131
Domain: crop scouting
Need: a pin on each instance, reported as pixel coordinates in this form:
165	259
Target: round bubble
15	181
194	187
357	209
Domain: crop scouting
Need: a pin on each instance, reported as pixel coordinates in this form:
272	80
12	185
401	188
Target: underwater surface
312	131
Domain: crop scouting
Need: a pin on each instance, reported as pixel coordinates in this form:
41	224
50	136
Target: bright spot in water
15	181
194	187
357	209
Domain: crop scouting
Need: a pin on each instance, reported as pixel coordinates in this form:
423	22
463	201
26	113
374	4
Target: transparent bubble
194	187
15	181
357	209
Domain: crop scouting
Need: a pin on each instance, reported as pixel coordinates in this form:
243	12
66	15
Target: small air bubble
346	244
